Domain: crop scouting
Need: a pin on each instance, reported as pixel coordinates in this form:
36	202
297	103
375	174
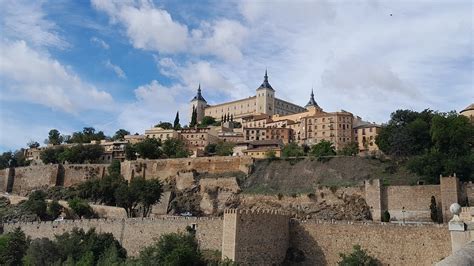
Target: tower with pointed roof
199	104
312	104
265	98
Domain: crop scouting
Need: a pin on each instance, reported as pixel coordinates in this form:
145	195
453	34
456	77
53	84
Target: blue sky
130	64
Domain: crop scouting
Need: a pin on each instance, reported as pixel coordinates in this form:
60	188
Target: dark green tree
175	148
322	150
164	125
51	155
15	246
54	209
193	122
120	134
173	249
358	257
81	208
210	149
36	204
147	149
33	144
207	121
224	148
350	149
292	149
176	124
42	252
54	137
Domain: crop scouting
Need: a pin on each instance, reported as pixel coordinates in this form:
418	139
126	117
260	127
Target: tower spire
265	78
312	102
198	96
265	84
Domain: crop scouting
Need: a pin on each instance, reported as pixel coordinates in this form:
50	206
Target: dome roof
469	108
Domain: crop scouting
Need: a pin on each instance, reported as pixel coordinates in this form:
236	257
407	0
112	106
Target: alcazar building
264	102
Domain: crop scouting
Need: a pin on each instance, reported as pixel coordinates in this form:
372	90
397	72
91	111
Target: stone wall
255	237
26	179
133	234
392	244
75	174
168	168
410	203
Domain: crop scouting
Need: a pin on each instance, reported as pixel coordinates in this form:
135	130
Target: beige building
161	134
365	135
469	112
260	149
197	138
264	102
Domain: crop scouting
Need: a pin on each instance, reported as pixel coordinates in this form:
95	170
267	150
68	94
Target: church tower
199	104
265	97
312	104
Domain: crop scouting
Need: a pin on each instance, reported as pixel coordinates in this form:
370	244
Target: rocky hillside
305	174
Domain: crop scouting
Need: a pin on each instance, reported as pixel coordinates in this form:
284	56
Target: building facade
264	102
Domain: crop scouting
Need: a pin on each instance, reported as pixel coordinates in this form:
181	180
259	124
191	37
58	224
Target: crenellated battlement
256	212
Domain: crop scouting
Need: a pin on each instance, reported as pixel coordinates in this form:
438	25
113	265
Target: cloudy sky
114	64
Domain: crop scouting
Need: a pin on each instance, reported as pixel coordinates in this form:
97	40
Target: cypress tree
193	118
176	124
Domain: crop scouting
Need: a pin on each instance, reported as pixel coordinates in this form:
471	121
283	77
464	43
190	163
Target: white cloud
25	20
118	70
101	43
154	102
30	76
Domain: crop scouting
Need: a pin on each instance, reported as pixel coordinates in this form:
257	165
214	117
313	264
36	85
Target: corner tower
312	104
198	103
265	97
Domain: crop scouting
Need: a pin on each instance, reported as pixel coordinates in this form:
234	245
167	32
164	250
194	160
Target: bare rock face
218	194
185	180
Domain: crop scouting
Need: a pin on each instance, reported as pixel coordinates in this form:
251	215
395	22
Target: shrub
386	216
54	209
81	208
358	257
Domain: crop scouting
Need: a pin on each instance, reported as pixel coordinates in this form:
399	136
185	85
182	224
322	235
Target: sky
112	64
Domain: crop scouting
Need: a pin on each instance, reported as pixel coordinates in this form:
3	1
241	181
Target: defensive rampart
133	234
77	173
165	168
22	180
323	241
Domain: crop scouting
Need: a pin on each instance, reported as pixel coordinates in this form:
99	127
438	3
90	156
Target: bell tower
199	104
265	97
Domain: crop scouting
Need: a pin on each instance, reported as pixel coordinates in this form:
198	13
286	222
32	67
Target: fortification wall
133	234
77	173
392	244
4	179
467	193
31	178
255	237
166	168
411	203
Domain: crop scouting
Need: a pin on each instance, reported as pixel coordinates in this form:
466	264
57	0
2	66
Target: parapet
256	211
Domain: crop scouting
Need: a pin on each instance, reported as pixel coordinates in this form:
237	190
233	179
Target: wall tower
199	103
265	97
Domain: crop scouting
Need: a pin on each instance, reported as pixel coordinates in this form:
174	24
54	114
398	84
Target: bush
358	257
81	208
322	150
36	204
386	216
54	209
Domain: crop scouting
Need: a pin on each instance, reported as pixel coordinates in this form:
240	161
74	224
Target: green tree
87	135
350	149
224	148
271	155
207	121
51	155
323	149
114	167
81	208
54	209
386	216
36	203
14	249
164	125
42	252
120	134
210	149
193	122
110	257
149	192
292	149
175	148
33	145
130	152
358	257
149	149
176	124
126	199
54	137
82	154
173	249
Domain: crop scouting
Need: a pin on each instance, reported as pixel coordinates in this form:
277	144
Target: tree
51	155
81	208
210	149
271	155
36	204
33	144
176	124
130	152
110	257
351	149
175	148
13	159
82	154
291	150
87	135
224	148
207	121
385	216
149	149
358	257
126	199
54	137
54	209
139	191
15	245
434	210
193	122
172	249
120	134
164	125
42	252
323	149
